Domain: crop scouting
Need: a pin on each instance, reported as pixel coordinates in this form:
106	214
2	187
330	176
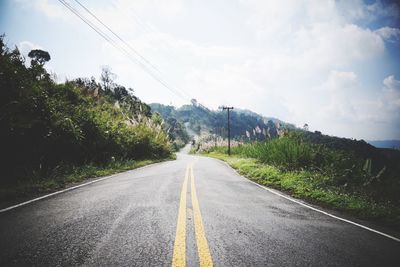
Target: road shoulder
15	198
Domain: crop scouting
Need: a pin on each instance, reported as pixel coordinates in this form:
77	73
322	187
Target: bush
44	125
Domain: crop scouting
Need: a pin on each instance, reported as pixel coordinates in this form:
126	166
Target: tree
120	92
194	102
107	78
39	57
272	132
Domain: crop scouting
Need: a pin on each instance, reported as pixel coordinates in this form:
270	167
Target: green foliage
176	132
166	116
44	124
367	166
315	188
345	169
39	56
291	153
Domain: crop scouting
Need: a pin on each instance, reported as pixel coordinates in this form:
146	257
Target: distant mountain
245	124
386	143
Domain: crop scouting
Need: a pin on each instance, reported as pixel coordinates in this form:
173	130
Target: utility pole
229	129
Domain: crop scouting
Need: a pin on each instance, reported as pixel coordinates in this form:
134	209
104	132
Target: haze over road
172	212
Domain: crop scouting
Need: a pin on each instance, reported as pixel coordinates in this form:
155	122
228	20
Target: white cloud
389	34
330	45
51	9
166	8
380	114
118	14
341	81
352	9
383	9
385	110
26	46
348	106
391	95
341	88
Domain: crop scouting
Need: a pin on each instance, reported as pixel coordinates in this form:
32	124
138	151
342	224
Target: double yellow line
179	256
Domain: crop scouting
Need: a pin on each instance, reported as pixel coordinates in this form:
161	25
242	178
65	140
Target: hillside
245	125
380	158
48	129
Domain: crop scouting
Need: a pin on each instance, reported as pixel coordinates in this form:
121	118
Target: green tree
39	57
107	78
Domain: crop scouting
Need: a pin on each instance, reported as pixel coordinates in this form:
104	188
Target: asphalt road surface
194	211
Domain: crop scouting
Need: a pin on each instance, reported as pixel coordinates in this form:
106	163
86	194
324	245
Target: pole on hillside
229	129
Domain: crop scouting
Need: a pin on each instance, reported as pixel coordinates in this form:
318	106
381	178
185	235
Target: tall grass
285	152
291	153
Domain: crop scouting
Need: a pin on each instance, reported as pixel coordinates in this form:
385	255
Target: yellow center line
179	256
201	240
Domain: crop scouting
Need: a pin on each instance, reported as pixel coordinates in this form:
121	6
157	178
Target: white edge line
312	208
72	188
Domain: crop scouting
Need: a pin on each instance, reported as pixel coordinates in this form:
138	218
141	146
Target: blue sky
332	64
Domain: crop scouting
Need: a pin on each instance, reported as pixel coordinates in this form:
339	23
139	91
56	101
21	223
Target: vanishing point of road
193	211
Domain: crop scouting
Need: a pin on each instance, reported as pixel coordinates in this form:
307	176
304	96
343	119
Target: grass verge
64	177
309	186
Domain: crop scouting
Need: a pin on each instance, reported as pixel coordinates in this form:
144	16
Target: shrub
44	125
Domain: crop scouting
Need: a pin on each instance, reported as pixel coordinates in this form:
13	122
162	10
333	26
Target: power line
97	30
126	43
116	35
107	38
149	29
121	49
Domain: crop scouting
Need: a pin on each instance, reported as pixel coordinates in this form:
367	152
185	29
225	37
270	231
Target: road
194	211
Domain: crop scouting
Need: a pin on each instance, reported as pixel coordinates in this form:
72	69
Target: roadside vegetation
175	129
59	132
343	174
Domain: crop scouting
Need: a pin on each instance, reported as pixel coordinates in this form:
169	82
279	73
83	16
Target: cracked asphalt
131	219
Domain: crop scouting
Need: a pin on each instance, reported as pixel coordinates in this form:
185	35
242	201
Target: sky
334	65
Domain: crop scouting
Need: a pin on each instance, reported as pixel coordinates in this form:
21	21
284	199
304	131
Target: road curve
146	217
